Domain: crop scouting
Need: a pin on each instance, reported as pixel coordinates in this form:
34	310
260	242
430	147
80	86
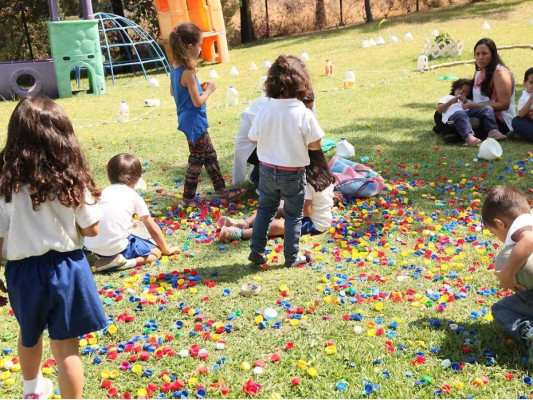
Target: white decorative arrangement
442	46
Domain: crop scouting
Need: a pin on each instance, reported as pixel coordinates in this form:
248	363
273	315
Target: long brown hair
288	78
182	36
317	173
486	85
43	152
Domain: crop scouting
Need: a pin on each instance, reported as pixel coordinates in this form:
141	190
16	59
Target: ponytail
182	36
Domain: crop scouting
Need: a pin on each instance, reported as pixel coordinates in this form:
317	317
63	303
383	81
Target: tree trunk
341	22
417	5
320	14
117	7
247	27
267	33
368	12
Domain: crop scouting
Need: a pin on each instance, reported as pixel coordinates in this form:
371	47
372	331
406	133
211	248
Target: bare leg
251	219
153	256
276	228
30	358
69	367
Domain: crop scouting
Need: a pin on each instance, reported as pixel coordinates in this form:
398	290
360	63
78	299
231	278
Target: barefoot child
190	98
117	248
47	205
319	197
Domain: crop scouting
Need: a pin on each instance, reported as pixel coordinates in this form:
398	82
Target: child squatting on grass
190	97
319	199
47	205
115	246
507	215
284	130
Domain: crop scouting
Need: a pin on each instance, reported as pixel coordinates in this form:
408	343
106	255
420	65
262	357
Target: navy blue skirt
55	291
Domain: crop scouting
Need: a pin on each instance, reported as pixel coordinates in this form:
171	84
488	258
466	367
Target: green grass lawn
376	307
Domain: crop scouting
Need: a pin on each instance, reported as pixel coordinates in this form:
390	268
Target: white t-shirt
119	203
243	147
518	223
283	129
523	100
321	207
458	106
53	226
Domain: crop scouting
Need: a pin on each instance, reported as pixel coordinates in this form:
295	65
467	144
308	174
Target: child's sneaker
473	141
107	263
257	258
230	233
300	259
43	390
495	134
227	221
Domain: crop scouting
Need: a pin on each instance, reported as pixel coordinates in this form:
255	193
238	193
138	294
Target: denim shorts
308	227
56	291
137	247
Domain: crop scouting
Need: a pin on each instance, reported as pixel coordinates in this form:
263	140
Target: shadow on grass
475	342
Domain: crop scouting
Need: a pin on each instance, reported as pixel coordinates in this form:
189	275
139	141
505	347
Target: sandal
231	195
194	202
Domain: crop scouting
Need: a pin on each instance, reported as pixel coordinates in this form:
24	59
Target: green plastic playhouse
76	44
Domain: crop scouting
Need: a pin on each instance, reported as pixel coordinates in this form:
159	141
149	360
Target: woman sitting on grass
319	199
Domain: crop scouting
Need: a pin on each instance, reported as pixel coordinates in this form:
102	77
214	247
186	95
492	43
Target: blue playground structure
124	43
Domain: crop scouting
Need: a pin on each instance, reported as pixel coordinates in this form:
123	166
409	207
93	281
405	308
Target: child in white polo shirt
115	246
284	130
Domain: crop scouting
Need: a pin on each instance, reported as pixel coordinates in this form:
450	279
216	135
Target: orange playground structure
207	14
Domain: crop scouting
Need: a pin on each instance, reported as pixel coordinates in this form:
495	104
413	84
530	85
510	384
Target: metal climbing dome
126	46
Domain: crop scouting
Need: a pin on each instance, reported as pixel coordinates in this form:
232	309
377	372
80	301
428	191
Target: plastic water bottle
422	63
152	102
153	82
349	80
232	97
344	148
261	83
123	112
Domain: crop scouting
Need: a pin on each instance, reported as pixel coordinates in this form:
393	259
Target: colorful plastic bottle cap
270	313
250	289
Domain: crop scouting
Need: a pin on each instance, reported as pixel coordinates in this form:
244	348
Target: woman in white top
494	84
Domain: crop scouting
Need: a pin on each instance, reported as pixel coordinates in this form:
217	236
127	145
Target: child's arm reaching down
521	252
157	236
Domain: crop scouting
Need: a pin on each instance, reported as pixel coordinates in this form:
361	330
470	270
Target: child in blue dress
190	97
47	205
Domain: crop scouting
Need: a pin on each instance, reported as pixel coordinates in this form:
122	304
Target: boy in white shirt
115	246
523	122
507	216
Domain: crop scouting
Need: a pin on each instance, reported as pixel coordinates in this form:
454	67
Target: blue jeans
461	122
514	313
487	117
523	127
276	185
